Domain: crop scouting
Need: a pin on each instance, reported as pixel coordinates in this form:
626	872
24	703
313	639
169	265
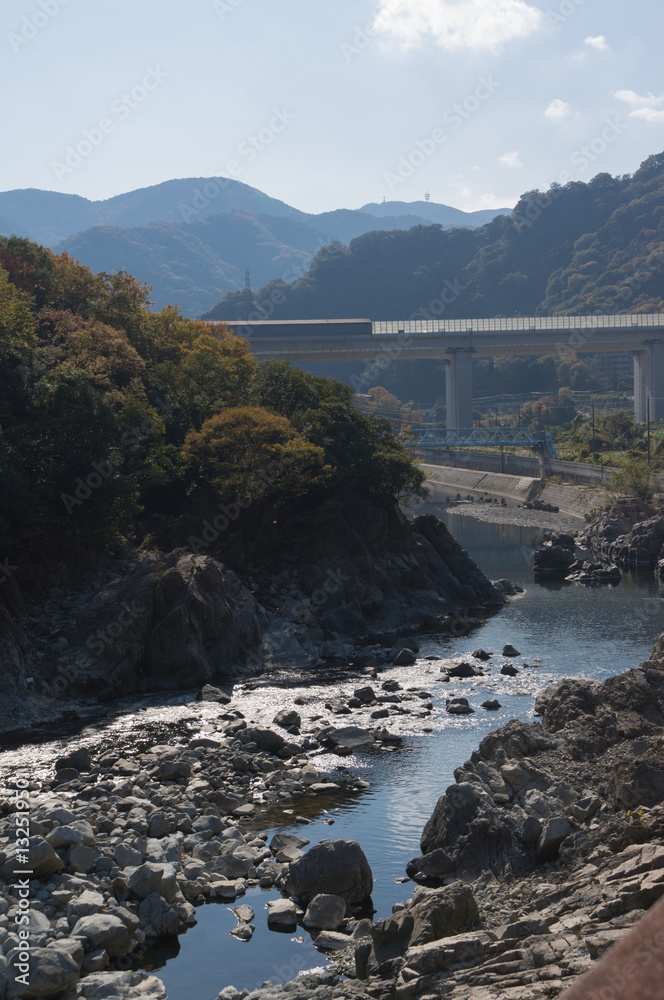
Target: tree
634	478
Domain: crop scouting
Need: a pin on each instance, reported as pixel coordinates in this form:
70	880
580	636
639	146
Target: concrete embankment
575	501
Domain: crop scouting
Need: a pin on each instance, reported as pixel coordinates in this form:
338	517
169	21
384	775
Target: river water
567	629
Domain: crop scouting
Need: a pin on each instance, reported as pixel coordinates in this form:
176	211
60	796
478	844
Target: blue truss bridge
489	437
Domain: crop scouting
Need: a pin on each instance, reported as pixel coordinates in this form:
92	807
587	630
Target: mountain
191	240
193	264
574	249
50	217
430	211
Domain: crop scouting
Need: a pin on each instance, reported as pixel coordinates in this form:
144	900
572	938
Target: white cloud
648	114
631	97
558	109
458	25
598	42
511	159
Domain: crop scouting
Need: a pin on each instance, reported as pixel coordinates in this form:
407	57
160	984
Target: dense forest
121	425
574	249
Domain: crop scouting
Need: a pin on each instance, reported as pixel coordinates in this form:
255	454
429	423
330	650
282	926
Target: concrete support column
641	372
656	386
459	387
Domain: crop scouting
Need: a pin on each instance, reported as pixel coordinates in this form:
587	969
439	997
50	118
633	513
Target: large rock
121	986
325	912
177	620
156	912
349	738
43	860
266	739
430	915
50	971
335	867
104	930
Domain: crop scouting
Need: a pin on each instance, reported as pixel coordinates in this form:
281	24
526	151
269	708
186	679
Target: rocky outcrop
530	793
629	533
177	621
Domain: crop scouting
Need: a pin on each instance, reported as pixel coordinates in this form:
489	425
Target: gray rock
266	739
510	650
287	719
145	880
82	858
331	941
88	902
78	832
282	914
211	693
458	706
159	824
127	857
349	738
281	841
51	970
335	867
553	834
157	912
325	912
492	705
405	658
121	986
365	694
79	759
463	670
104	930
42	857
437	864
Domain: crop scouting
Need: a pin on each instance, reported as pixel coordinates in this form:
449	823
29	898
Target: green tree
634	478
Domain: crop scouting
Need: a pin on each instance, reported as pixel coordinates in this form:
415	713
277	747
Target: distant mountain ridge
192	238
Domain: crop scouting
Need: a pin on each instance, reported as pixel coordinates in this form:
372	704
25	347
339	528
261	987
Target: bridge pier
459	387
649	382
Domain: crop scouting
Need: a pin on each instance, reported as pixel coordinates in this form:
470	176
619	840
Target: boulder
491	705
463	670
52	970
282	841
365	694
156	912
266	739
79	759
510	650
121	986
349	738
104	930
437	864
287	719
458	706
325	912
78	832
509	670
282	914
405	658
42	857
145	880
481	654
334	867
552	836
211	693
432	914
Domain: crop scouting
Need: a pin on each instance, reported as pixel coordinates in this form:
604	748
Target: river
568	629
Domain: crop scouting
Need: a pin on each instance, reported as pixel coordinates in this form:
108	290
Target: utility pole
593	405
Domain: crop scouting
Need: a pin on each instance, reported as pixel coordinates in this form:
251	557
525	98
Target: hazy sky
329	104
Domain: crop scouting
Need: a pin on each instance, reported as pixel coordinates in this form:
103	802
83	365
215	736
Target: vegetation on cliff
114	418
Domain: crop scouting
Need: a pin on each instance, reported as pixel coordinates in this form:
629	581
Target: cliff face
630	533
175	621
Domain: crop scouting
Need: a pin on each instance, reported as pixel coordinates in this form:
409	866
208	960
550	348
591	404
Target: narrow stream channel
572	630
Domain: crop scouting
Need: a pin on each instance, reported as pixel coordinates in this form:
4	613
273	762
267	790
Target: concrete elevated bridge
455	342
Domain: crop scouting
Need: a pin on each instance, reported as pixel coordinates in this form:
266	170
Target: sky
329	105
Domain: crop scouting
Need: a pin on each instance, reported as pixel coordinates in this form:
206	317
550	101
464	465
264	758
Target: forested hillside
118	424
574	249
